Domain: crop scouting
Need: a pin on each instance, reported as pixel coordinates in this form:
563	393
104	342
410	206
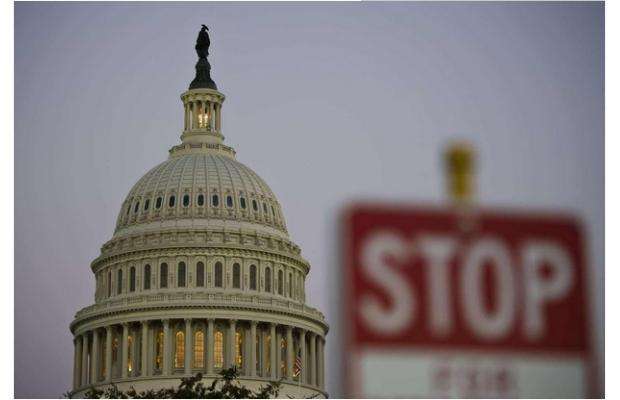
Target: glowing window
185	200
268	280
159	350
268	352
201	200
218	349
163	275
171	201
236	276
132	279
119	282
253	277
181	274
199	349
147	277
215	200
283	356
200	274
130	355
179	350
218	274
158	202
239	349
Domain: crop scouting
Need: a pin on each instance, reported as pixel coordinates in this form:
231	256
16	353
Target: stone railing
198	299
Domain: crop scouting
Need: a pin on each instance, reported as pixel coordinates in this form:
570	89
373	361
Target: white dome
197	187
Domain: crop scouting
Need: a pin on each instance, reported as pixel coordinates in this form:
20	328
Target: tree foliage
227	386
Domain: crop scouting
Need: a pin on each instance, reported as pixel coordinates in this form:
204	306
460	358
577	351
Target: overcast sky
327	102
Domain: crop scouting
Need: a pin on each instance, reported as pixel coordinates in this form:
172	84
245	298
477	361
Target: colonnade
203	114
173	347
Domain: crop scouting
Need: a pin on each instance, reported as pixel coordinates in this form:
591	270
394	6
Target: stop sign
487	303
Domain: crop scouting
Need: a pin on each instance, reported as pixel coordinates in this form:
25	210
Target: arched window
280	282
236	276
179	350
185	200
268	280
163	275
218	349
136	207
109	283
229	201
253	277
119	282
147	202
215	200
181	274
171	201
158	202
254	205
290	285
159	350
201	200
200	274
199	349
239	349
218	275
147	277
242	202
265	208
132	279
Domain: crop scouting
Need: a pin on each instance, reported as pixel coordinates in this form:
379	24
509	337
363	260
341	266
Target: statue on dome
203	42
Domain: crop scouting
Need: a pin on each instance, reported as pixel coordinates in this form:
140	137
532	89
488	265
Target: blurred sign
443	304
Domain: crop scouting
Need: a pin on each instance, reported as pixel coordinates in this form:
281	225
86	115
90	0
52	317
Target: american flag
298	365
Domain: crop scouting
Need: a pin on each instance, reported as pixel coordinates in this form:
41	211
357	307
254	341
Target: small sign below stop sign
440	303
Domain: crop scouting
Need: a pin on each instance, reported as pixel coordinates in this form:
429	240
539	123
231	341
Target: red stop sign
427	287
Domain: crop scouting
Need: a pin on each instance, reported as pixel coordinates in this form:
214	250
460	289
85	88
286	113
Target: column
303	378
312	371
108	354
211	116
194	105
85	350
188	346
166	324
252	369
144	352
210	346
289	352
94	358
186	117
274	349
77	366
232	329
124	351
321	366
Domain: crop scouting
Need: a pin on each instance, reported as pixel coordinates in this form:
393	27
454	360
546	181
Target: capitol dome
200	274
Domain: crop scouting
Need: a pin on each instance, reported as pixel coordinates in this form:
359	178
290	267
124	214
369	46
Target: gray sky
327	102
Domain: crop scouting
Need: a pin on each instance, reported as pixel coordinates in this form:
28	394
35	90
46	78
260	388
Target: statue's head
204	27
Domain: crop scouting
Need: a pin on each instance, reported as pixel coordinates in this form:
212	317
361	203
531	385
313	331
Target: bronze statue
203	42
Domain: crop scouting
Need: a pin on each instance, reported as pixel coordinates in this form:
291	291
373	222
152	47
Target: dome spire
203	68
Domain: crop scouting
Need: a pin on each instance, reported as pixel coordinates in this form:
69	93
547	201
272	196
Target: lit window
132	279
218	274
236	276
229	201
268	358
215	200
201	200
158	202
218	349
130	354
163	276
179	350
181	274
239	349
200	274
185	200
253	277
159	350
242	202
171	201
268	280
147	277
119	282
147	202
199	349
283	356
